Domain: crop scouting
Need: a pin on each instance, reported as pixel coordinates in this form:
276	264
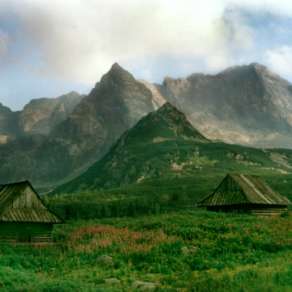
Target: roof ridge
212	194
10	192
234	177
240	188
274	195
8	200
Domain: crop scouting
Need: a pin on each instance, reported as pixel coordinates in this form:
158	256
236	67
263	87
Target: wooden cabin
245	193
23	215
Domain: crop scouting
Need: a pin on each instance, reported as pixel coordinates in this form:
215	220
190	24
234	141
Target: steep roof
19	202
243	189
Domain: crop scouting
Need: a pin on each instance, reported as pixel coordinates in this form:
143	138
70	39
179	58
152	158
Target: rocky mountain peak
71	94
265	73
252	69
240	104
116	67
262	70
165	123
116	76
169	110
258	66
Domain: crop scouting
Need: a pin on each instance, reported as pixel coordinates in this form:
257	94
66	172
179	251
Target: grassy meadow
183	250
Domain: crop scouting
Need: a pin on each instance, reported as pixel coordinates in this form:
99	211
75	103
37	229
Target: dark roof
35	214
243	189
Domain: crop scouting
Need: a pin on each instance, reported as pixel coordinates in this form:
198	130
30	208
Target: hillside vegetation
185	250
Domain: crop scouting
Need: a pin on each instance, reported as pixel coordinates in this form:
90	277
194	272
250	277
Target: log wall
262	210
25	232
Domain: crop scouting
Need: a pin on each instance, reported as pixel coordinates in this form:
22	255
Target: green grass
180	250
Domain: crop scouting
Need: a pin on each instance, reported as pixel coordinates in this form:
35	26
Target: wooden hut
23	216
245	193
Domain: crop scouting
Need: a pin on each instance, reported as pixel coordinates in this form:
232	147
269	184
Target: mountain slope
113	106
38	117
21	156
8	124
243	104
164	145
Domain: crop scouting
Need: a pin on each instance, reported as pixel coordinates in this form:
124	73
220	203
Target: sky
51	47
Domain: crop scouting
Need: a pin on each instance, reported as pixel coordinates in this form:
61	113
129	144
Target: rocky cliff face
116	103
243	104
24	134
40	116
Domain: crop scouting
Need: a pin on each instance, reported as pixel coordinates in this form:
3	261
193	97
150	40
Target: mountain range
114	105
39	116
248	105
57	139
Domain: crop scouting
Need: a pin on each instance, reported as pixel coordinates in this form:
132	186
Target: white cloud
280	7
79	40
280	60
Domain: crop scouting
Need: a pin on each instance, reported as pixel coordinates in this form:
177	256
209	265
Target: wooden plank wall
25	232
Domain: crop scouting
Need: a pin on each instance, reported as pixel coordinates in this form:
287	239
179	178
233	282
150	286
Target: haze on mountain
39	116
57	139
247	105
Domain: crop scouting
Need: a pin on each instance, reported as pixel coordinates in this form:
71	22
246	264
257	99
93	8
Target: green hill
164	154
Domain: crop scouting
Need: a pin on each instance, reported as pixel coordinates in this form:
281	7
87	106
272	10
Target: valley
125	168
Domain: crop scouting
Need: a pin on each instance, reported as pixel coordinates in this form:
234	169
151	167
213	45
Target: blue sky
48	48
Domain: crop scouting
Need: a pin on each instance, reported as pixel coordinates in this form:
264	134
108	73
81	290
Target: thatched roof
19	202
236	189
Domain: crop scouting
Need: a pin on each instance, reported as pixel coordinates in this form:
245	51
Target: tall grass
183	250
